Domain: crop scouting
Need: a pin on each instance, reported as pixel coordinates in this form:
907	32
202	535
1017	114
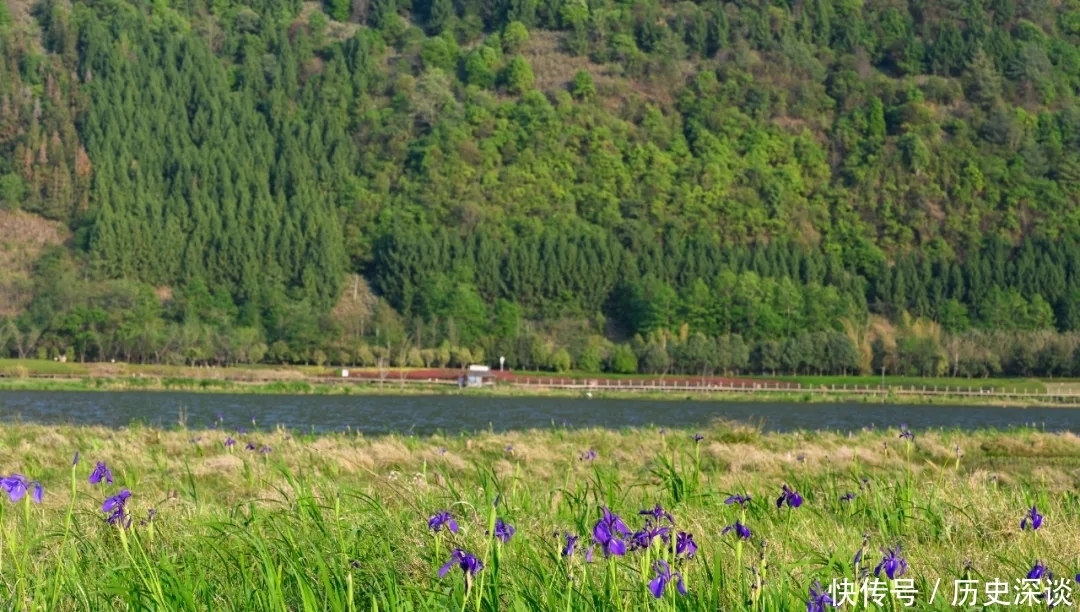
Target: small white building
478	376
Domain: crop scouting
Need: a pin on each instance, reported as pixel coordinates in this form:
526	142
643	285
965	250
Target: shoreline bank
858	394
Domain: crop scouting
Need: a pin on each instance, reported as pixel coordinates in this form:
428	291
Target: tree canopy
543	179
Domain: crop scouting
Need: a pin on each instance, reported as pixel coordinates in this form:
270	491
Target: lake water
449	413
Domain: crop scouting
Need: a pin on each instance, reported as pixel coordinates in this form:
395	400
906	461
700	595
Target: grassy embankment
340	522
48	375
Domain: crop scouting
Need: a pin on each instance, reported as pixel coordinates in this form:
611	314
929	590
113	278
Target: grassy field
340	522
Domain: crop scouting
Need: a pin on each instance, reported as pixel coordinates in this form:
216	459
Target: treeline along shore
30	375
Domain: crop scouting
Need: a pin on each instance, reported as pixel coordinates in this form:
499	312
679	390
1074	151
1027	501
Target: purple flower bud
571	543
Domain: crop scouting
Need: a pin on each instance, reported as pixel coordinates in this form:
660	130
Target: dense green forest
640	185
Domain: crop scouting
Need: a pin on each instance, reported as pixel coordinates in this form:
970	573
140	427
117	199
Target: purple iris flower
230	442
741	531
685	546
115	507
468	563
17	485
440	520
819	599
1039	572
646	535
1032	519
698	438
14	485
571	544
503	531
846	497
742	500
265	450
664	575
790	497
906	433
101	472
609	532
509	449
893	564
250	446
658	513
588	455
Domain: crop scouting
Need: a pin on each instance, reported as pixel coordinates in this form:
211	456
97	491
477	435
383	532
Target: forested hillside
823	185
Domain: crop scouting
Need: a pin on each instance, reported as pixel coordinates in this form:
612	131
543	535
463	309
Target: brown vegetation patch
554	68
21	12
22	238
219	464
1033	446
335	30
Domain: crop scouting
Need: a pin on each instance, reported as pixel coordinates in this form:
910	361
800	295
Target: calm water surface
428	414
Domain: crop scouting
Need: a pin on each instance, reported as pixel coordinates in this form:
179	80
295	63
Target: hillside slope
794	180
